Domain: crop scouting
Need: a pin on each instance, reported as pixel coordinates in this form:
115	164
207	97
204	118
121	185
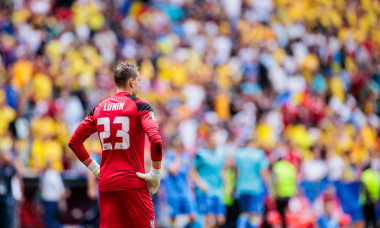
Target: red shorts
126	208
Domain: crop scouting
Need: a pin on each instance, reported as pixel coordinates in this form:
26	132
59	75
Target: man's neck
118	90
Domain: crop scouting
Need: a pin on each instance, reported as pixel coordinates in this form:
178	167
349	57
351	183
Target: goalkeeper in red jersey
122	122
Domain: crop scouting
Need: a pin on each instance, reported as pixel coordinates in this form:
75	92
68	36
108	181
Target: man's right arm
85	129
194	174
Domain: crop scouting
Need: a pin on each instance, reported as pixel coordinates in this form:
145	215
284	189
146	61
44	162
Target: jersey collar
121	94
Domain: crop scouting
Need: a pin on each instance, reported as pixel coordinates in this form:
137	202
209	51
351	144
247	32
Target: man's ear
130	82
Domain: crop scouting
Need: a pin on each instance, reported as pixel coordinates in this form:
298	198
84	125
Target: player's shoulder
246	152
203	152
97	108
142	105
136	99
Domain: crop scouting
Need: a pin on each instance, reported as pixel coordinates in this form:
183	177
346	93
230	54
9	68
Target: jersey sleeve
149	123
83	131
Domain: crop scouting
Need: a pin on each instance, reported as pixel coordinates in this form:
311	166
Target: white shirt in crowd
51	185
335	165
314	170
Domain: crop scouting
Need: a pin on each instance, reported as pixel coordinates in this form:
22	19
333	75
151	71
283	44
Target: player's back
250	162
122	138
209	165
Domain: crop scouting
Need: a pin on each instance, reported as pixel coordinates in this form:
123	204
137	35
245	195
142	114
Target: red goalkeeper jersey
121	122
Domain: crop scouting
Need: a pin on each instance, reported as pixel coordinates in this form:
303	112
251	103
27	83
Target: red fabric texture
132	208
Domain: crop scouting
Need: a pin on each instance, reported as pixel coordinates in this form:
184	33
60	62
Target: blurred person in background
18	196
46	148
180	198
53	196
92	217
316	168
229	181
207	176
369	196
328	208
335	166
293	153
285	185
8	174
252	175
328	219
300	213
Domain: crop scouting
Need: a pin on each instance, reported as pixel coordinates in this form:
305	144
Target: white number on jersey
123	133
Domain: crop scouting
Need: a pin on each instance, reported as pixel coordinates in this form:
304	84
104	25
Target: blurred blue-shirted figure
207	175
252	166
179	195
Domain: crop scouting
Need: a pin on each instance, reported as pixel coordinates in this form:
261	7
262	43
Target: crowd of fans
299	78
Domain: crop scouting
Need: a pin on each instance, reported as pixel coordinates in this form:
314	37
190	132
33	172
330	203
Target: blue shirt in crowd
177	186
326	222
250	162
209	165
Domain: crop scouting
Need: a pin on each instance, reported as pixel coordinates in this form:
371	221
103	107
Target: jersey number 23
123	133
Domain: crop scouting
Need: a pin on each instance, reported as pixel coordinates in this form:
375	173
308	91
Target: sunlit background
298	77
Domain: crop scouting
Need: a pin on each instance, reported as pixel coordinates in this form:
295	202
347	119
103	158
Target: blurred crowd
299	78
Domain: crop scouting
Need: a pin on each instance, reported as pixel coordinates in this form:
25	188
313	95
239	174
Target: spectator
7	204
53	195
329	196
179	196
92	217
316	169
328	219
300	213
335	166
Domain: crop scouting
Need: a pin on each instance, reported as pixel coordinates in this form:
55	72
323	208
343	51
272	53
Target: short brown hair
123	72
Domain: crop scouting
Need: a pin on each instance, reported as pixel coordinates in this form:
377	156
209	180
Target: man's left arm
150	126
